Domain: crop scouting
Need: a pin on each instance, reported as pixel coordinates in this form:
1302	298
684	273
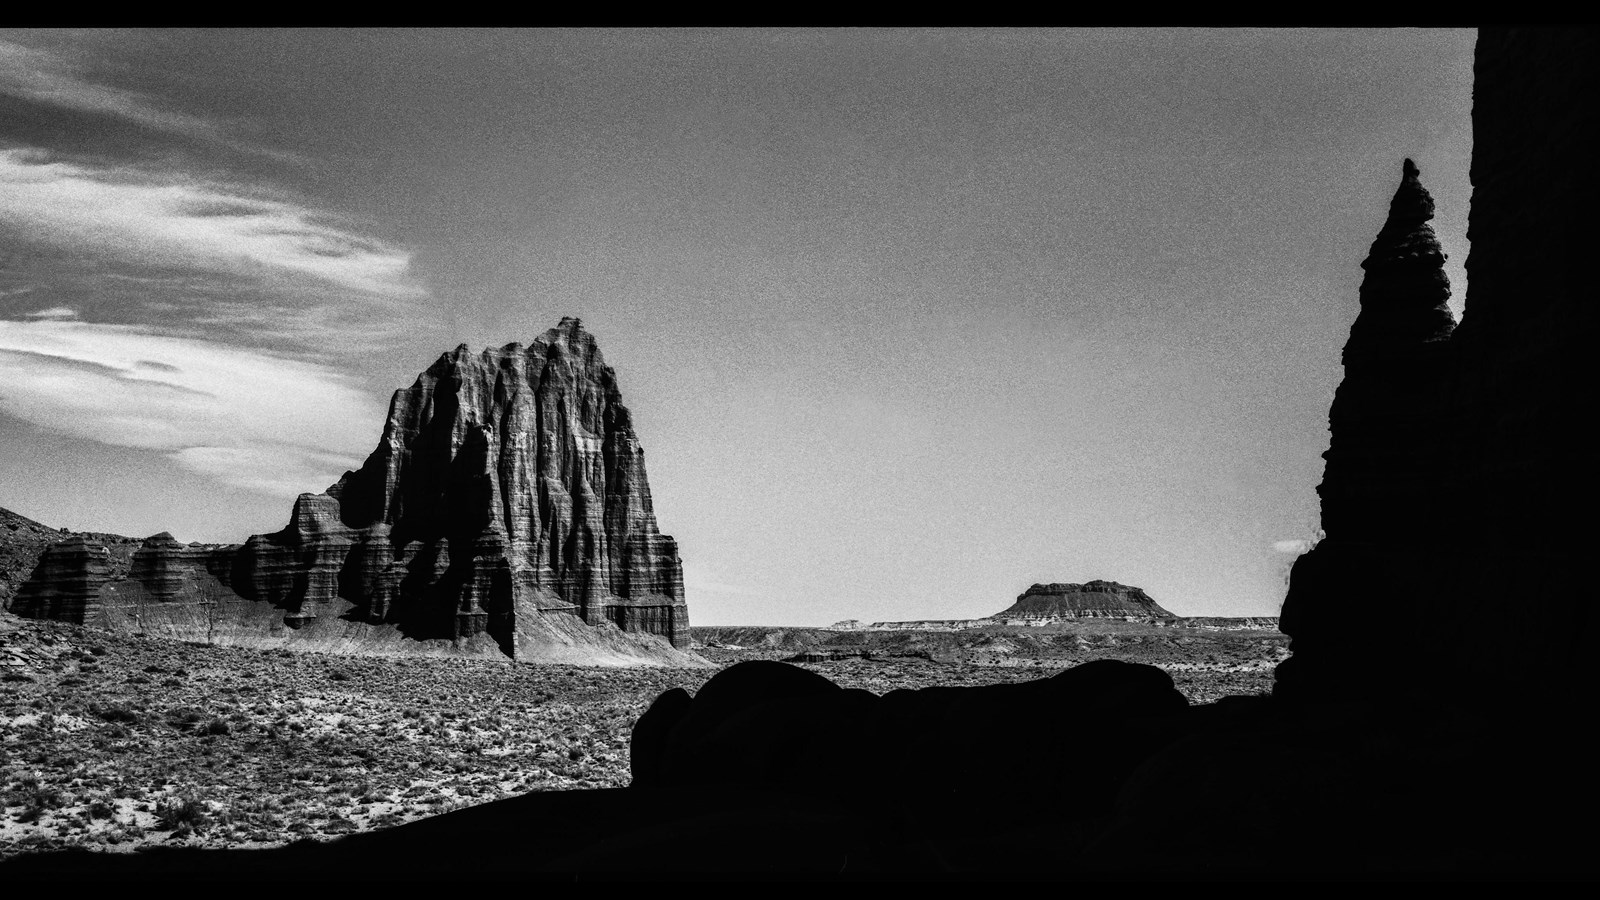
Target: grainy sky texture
908	319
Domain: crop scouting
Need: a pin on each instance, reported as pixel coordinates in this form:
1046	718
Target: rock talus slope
505	510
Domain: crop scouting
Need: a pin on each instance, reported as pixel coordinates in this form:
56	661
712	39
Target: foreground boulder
770	725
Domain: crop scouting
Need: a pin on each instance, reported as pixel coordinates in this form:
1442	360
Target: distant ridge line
990	621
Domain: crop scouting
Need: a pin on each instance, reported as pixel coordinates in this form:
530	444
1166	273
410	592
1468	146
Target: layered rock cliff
1455	494
1095	599
505	509
24	542
519	472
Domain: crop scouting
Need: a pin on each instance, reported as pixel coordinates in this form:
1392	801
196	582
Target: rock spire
1405	295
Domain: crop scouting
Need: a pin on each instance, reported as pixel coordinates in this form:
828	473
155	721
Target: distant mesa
1064	604
1091	600
505	512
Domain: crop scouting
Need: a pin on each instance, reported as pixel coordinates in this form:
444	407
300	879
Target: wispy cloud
57	78
209	266
1296	546
241	417
54	312
174	221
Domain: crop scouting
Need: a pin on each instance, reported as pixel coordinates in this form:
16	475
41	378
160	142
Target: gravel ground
113	742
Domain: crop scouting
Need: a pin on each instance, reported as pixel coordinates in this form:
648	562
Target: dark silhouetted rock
647	745
1096	599
1457	466
1386	460
767	725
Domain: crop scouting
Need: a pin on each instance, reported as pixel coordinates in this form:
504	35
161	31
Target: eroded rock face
1095	599
514	483
66	581
22	542
1458	463
506	506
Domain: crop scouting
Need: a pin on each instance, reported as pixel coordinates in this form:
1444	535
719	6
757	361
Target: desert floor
113	742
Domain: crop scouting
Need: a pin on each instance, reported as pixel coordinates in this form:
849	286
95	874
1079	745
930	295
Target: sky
908	320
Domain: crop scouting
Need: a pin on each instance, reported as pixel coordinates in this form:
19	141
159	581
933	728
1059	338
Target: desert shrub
184	718
97	651
338	676
182	814
16	793
35	799
216	727
100	809
17	678
117	713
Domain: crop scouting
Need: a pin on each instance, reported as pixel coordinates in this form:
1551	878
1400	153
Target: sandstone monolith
506	506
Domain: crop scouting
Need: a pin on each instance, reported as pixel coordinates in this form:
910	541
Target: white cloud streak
210	259
238	416
57	77
43	76
54	312
1296	546
185	223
